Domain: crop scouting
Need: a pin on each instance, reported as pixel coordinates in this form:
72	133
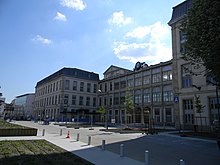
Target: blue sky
39	37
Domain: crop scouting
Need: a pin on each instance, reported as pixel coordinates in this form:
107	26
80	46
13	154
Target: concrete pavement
163	148
91	153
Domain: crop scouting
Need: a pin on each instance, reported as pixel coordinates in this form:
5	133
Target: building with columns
190	81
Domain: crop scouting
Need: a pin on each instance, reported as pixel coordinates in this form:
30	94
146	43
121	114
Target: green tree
199	108
101	110
202	28
129	104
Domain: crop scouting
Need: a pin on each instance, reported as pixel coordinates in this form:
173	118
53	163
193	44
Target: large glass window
167	75
123	84
167	96
130	83
156	96
156	78
146	80
137	97
213	105
147	96
116	99
138	81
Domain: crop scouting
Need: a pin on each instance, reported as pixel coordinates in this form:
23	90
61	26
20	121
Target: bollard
146	158
103	145
61	132
182	162
43	133
77	138
122	150
89	140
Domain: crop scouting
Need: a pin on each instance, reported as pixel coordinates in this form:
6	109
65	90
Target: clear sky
39	37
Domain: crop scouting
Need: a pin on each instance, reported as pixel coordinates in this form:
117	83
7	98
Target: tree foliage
101	110
129	105
202	28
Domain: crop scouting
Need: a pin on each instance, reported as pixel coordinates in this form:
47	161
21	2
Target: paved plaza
164	149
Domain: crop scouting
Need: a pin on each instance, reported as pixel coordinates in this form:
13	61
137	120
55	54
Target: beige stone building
190	81
151	90
66	94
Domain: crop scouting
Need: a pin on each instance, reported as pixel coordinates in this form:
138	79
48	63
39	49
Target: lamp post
106	113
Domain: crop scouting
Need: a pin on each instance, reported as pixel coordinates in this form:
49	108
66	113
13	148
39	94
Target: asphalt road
164	149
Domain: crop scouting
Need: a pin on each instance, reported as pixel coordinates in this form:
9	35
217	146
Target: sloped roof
179	11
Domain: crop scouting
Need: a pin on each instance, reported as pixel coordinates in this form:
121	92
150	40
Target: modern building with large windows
66	94
190	80
23	106
151	90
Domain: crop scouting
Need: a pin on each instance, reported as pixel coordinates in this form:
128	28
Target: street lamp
106	113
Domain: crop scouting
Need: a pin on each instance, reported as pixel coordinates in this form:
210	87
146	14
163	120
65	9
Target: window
81	100
87	101
122	98
147	98
213	108
182	41
156	78
74	85
146	80
110	86
156	96
167	75
123	84
66	98
188	111
186	76
67	84
116	86
130	83
138	82
106	88
116	98
95	88
167	96
168	112
137	97
88	87
57	86
94	102
56	100
53	87
81	86
73	99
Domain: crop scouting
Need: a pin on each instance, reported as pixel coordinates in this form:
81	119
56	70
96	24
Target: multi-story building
190	80
151	90
2	105
23	106
66	94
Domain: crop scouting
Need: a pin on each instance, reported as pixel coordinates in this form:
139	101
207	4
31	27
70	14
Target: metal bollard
103	145
182	162
61	132
43	133
89	140
77	137
122	150
146	157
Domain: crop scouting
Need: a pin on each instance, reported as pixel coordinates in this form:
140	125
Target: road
163	148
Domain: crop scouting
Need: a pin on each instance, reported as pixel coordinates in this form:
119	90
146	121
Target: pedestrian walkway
93	154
